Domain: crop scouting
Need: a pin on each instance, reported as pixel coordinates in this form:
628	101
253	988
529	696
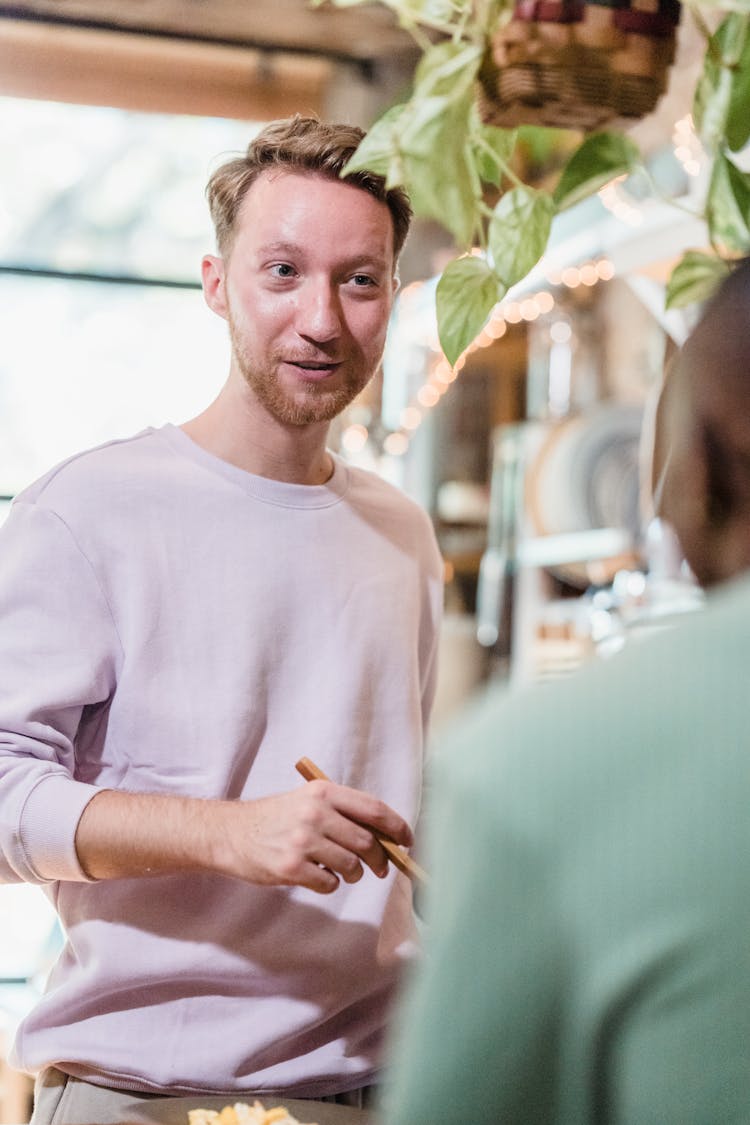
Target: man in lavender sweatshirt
182	616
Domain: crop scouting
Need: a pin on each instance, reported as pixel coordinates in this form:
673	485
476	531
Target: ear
704	509
727	502
214	284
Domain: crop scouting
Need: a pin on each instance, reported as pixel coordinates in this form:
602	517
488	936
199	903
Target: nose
319	315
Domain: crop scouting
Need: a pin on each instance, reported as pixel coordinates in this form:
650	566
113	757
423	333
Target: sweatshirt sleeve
58	652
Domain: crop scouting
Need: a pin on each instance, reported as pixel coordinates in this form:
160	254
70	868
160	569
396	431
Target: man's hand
313	836
310	837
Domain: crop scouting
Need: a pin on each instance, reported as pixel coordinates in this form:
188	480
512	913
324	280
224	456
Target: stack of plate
586	473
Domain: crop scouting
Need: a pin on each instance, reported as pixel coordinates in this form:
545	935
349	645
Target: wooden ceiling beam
368	33
138	72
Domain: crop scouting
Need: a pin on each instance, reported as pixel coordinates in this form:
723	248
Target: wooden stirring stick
398	857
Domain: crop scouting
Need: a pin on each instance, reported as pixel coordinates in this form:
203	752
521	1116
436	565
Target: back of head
706	420
721	335
307	146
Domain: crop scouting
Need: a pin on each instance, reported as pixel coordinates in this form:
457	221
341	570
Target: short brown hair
303	144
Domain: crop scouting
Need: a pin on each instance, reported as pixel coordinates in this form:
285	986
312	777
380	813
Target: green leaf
730	38
435	154
695	278
379	150
447	70
489	15
430	13
714	95
519	232
543	145
600	158
422	145
728	206
491	148
466	294
738	115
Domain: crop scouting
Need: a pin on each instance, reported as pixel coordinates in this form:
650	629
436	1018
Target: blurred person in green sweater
588	952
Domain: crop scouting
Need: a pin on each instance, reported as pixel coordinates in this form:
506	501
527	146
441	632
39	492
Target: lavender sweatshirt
172	624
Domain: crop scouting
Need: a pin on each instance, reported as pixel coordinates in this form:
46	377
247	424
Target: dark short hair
301	144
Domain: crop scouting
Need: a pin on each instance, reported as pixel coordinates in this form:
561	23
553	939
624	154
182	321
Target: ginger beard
309	401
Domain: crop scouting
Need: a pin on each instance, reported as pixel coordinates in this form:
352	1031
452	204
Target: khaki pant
60	1099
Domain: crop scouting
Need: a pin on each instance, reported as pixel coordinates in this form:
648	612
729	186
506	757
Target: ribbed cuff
48	827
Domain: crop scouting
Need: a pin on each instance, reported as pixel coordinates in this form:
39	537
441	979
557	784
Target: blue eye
362	279
283	269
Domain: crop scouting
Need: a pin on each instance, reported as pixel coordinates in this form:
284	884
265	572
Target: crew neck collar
281	493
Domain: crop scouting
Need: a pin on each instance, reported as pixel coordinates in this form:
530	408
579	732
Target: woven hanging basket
578	65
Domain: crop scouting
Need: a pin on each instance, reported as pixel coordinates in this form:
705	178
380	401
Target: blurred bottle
498	565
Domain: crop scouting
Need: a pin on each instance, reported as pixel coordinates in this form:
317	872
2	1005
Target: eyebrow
280	248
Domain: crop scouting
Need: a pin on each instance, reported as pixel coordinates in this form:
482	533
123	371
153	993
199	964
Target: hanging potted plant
490	65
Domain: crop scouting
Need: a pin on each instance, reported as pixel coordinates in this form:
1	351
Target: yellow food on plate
242	1114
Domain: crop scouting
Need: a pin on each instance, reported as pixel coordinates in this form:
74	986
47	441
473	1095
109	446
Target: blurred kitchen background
533	454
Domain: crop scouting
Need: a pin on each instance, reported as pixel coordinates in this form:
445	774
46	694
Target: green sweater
588	949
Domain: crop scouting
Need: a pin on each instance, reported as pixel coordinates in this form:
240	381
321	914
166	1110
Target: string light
561	332
496	328
687	146
691	155
410	418
396	444
441	374
354	438
530	309
615	199
444	373
427	395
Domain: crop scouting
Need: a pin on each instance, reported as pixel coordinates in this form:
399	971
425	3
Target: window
103	222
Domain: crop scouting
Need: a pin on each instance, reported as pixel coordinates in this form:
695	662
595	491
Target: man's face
307	290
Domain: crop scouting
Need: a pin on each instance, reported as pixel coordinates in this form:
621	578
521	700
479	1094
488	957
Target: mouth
314	371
